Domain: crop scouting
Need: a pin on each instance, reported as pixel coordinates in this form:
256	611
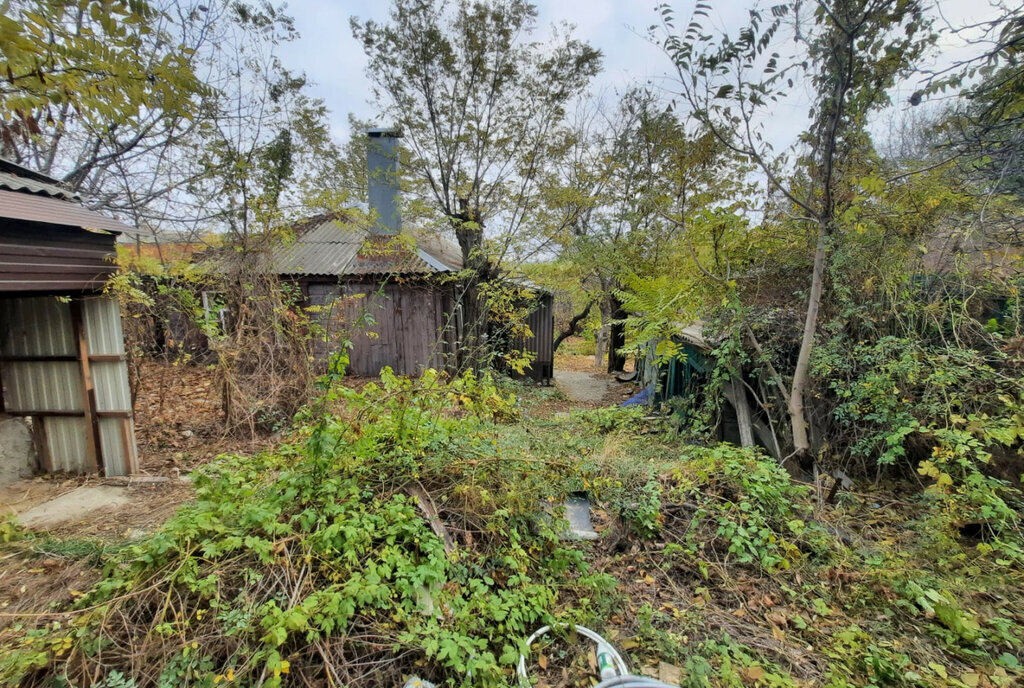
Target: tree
854	52
480	105
619	202
87	86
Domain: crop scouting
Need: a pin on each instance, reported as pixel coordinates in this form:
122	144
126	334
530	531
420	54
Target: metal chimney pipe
382	175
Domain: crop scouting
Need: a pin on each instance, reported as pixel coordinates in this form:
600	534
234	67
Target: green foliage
10	531
747	505
316	540
84	56
613	418
941	409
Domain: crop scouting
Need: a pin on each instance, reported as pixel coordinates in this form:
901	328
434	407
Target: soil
88	506
584	387
178	420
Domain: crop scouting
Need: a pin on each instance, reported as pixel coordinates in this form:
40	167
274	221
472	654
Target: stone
74	506
17	451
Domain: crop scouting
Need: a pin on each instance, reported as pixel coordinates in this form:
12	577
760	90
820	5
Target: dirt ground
178	420
585	384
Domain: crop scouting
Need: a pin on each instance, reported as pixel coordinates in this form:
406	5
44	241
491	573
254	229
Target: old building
391	291
65	403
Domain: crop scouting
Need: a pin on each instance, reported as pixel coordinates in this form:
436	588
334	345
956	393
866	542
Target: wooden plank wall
408	330
45	258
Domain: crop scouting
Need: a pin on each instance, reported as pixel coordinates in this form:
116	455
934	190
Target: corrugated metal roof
331	247
13	182
19	205
17	177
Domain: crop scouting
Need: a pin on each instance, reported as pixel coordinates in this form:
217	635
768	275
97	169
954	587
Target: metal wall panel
65	439
542	328
41	327
102	316
33	386
112	439
36	326
111	381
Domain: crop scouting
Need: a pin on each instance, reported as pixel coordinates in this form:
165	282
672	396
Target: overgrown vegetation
850	299
404	528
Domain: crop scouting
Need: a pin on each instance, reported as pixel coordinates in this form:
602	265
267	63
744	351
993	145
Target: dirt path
592	388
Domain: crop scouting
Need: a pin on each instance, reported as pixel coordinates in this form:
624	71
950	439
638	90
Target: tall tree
479	104
855	50
622	198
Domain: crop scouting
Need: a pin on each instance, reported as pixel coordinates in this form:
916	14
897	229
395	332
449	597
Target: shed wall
405	326
43	375
46	258
541	344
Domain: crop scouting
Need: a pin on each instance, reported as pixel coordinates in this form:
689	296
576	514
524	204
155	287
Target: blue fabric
642	397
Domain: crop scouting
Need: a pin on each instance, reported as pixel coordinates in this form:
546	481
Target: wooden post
737	396
131	459
92	423
41	443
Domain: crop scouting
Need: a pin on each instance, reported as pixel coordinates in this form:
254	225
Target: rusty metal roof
332	247
19	205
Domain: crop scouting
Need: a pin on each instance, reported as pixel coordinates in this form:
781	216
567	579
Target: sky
335	63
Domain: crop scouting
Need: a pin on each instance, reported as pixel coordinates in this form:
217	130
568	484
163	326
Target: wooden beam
42	443
92	422
131	458
737	396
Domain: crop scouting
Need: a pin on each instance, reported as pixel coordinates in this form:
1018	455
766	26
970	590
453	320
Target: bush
316	558
744	504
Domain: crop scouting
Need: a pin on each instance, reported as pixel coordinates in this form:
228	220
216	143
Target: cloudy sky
335	62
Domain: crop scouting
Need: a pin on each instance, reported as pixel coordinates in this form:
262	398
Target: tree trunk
469	232
601	338
573	326
797	416
616	338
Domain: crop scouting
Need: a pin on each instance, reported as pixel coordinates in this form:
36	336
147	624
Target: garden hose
612	667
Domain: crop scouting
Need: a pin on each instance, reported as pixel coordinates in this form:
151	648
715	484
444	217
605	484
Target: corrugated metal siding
111	381
42	327
102	317
36	326
65	438
41	386
113	442
542	327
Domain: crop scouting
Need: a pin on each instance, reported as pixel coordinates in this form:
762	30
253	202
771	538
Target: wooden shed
62	355
392	291
391	296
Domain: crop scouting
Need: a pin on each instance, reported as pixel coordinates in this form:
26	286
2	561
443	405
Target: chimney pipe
382	175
